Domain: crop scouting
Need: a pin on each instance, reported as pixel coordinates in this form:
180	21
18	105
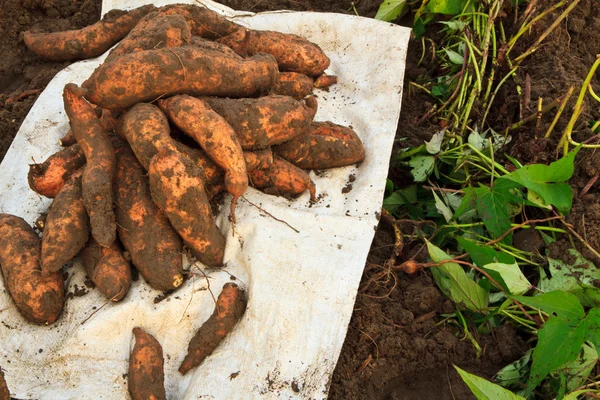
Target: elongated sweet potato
266	121
209	45
155	248
282	178
137	78
146	376
50	176
211	173
178	190
218	139
38	298
292	84
88	42
107	268
4	393
100	169
67	226
108	120
154	31
229	309
325	81
259	159
325	145
203	22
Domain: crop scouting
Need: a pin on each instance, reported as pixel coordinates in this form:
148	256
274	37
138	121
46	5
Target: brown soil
397	346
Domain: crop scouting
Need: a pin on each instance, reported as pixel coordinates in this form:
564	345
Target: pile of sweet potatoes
187	105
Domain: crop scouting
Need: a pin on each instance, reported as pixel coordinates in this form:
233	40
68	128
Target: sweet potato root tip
67	140
39	299
88	42
50	176
325	81
66	227
155	248
146	377
100	169
292	84
177	189
229	309
107	268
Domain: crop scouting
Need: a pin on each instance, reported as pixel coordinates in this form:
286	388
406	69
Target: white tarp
301	286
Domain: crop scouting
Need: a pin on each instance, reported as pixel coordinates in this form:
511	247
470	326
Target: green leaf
454	57
492	207
449	7
407	153
577	371
484	389
467	205
454	282
512	276
442	207
435	143
593	319
389	10
575	395
515	372
563	305
403	196
558	343
484	254
422	166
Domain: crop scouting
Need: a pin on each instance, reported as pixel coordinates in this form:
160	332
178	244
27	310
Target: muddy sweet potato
100	169
202	21
147	75
325	81
325	145
259	159
292	84
216	47
229	309
66	228
108	120
38	298
177	189
88	42
216	137
282	179
107	268
259	123
50	176
4	393
154	31
146	376
155	248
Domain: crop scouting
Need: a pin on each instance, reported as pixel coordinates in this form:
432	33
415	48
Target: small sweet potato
203	22
146	376
325	145
155	248
100	169
67	226
50	176
229	309
137	78
282	178
4	393
38	298
216	137
88	42
292	84
325	81
259	123
259	159
178	190
107	268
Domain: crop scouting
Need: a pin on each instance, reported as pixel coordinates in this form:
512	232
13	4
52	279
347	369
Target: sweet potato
325	145
229	309
216	137
259	159
266	121
155	248
178	190
146	376
108	120
107	268
4	393
203	22
292	84
88	42
67	227
282	178
100	169
154	31
38	298
147	75
50	176
211	173
216	47
325	81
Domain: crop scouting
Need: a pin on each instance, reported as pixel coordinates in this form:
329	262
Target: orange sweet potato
292	84
100	169
178	190
216	47
138	78
108	120
155	248
259	159
38	298
203	22
229	309
266	121
88	42
195	117
146	376
4	393
107	268
50	176
66	228
325	145
282	178
325	81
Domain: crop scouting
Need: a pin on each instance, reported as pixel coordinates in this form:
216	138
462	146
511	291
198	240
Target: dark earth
397	346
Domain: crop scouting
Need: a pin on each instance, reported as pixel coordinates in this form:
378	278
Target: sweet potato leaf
565	306
484	389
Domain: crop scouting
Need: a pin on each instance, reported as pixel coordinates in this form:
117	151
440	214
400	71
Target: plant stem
559	112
